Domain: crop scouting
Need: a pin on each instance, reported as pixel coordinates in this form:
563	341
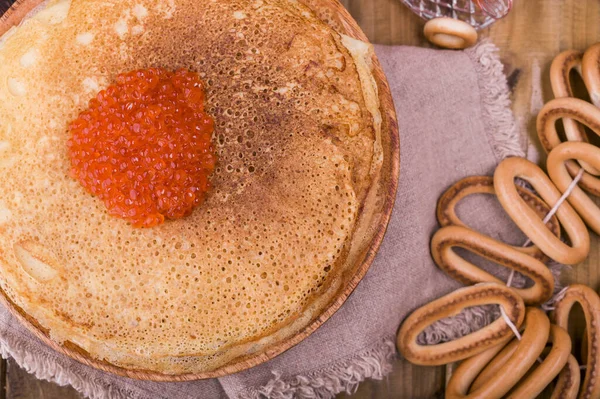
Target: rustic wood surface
528	38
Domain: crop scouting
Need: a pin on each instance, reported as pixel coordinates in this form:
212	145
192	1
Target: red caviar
143	146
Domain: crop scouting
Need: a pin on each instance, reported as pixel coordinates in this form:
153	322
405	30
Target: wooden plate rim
14	16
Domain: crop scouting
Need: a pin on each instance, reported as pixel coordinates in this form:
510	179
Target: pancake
297	134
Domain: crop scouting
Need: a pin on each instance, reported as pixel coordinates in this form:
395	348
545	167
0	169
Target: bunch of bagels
527	349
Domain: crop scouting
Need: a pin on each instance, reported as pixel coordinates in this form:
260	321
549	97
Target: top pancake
297	139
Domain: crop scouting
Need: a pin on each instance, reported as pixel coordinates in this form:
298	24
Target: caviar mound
144	146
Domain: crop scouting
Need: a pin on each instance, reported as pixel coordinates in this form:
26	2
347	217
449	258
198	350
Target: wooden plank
387	22
21	385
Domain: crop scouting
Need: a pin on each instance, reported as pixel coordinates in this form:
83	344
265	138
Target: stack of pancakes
297	133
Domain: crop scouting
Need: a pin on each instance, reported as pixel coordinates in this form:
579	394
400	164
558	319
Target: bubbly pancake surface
297	149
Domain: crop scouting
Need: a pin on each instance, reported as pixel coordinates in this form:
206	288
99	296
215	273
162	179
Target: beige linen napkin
454	118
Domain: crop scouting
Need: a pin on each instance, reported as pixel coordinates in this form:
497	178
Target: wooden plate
337	16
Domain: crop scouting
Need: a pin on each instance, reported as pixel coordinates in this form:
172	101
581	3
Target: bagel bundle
521	353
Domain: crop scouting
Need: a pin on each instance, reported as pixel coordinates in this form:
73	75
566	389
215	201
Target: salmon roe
143	146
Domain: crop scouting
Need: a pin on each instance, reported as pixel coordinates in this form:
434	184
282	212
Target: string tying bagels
497	365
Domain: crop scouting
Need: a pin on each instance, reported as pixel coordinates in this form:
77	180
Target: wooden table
533	33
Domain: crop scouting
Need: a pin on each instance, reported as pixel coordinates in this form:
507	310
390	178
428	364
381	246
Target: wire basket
478	13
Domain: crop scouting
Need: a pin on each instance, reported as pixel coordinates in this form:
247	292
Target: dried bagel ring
543	374
450	33
567	385
579	110
446	207
560	71
504	369
529	222
590	302
573	108
450	305
591	72
447	238
557	170
467	371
